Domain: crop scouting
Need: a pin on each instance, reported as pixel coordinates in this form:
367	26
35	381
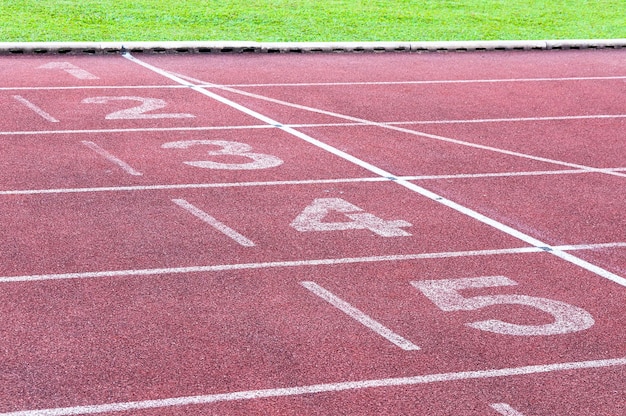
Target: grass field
300	20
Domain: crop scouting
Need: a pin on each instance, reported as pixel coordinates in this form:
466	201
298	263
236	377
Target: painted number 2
445	294
138	112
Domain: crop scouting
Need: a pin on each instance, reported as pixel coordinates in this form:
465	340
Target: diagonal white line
393	126
221	227
321	388
36	109
409	185
113	159
360	316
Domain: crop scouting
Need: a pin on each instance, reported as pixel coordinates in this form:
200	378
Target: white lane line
276	264
421	134
505	410
322	388
113	159
498	174
596	246
409	185
320	84
464	121
92	87
511	120
360	316
36	109
286	183
298	263
191	186
428	82
312	125
134	130
512	153
221	227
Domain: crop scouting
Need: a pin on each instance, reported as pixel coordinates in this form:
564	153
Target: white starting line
325	388
133	188
303	263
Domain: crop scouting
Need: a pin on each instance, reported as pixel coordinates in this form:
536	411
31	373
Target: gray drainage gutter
103	48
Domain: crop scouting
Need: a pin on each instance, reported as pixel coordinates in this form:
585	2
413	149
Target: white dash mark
36	109
71	69
360	317
214	222
125	166
505	410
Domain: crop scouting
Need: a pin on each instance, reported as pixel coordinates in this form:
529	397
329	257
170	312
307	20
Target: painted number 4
311	219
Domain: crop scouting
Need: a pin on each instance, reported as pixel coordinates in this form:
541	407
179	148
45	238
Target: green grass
311	20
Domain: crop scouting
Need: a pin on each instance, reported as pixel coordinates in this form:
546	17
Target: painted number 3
445	294
235	155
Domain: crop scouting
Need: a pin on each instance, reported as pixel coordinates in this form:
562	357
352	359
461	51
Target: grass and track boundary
104	48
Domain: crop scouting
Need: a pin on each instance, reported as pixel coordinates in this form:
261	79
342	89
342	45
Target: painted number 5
445	294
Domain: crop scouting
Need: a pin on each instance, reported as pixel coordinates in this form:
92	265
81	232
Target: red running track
314	234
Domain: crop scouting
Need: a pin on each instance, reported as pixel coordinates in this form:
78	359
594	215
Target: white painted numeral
445	294
505	410
138	112
234	150
71	69
311	219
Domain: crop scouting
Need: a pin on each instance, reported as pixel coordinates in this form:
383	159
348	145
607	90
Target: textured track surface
315	234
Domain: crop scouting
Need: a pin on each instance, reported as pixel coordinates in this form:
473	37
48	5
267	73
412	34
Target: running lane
124	339
200	257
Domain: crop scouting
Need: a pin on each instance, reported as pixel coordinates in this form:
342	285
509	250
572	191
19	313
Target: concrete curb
103	48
